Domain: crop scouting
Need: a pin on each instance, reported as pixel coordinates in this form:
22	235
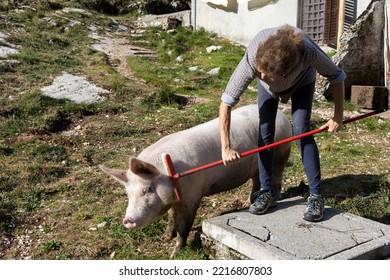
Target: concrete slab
283	234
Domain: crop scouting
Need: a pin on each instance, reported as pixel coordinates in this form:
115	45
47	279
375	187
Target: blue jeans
301	102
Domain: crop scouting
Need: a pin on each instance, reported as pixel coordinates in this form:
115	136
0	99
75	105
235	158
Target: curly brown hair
281	52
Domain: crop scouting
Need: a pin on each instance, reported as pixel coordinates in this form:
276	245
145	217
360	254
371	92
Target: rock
369	97
74	88
166	21
180	58
7	48
51	21
75	10
213	48
360	52
5	51
214	71
103	224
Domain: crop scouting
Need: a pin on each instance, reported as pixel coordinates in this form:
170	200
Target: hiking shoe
315	208
262	203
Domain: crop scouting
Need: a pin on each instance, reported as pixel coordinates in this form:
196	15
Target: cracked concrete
283	234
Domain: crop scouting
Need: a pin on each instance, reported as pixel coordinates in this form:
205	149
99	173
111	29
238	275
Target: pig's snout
129	223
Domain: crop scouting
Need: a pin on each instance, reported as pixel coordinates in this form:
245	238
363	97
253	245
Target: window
313	19
319	19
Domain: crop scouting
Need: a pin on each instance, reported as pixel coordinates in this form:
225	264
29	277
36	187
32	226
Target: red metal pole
281	142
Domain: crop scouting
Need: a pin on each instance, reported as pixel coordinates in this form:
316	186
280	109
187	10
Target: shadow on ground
351	192
344	186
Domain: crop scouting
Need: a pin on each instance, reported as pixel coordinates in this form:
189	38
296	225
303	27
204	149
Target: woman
285	60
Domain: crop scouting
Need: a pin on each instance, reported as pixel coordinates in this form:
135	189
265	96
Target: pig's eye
147	190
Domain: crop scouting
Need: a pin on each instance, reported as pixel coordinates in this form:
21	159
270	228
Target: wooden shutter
331	21
350	13
313	19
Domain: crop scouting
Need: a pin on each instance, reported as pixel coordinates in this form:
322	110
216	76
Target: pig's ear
143	169
118	174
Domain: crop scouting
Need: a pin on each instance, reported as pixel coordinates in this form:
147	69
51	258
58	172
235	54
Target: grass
50	186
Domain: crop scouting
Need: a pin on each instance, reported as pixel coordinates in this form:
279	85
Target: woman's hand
229	156
333	125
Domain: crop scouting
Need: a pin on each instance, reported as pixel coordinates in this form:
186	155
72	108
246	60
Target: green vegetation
50	185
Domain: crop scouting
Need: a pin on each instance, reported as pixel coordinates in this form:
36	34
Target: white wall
361	6
236	22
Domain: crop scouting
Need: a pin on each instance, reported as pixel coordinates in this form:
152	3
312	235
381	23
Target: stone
214	71
74	88
213	48
369	97
5	51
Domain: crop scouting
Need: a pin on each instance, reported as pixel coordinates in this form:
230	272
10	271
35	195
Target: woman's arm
338	93
228	154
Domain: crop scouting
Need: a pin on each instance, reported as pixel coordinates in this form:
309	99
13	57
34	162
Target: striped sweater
314	60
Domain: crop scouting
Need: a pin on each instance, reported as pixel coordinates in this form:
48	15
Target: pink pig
150	189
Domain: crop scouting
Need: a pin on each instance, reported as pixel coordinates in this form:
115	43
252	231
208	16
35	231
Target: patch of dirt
22	246
118	50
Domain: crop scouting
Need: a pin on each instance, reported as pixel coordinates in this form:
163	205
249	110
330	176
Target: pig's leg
255	187
170	231
184	218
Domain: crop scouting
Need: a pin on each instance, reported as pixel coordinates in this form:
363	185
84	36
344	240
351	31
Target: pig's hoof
180	243
247	203
174	253
167	236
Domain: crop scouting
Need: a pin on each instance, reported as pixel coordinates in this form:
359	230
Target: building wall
240	20
362	6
